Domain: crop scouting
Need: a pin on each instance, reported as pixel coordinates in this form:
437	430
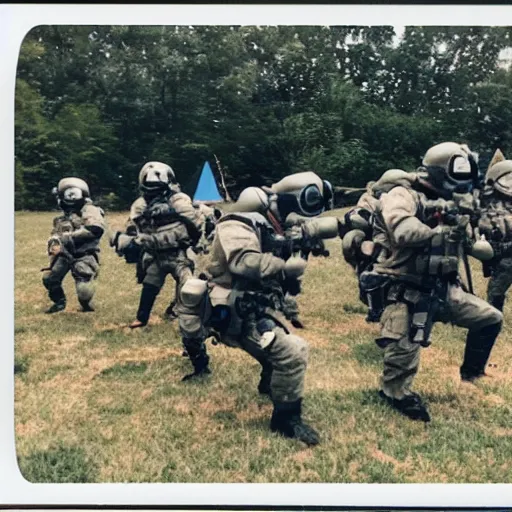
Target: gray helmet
451	167
499	177
304	193
72	192
252	199
156	177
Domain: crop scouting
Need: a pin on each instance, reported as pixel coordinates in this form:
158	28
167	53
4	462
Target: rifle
458	216
57	250
306	239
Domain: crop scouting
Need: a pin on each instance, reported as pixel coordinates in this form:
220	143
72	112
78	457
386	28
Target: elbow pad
270	265
87	233
321	228
412	232
159	242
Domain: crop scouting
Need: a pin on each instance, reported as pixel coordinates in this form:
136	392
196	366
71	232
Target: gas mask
71	193
451	167
499	178
72	196
302	193
156	178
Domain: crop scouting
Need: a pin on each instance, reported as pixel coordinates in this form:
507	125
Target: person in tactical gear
288	212
74	244
253	264
416	271
356	232
495	225
163	224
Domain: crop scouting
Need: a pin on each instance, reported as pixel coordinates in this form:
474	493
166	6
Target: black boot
479	344
147	299
58	306
411	406
196	350
58	298
498	301
287	420
86	306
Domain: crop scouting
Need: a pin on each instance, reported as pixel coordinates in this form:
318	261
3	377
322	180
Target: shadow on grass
116	410
355	309
20	365
60	464
124	370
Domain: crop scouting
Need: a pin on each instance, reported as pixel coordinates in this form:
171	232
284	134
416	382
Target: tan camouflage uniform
164	247
403	235
239	268
238	263
79	254
495	224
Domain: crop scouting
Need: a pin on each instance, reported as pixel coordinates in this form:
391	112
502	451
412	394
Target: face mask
308	202
461	173
504	184
72	196
155	176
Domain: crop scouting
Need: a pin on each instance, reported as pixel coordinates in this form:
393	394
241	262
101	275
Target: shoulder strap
236	217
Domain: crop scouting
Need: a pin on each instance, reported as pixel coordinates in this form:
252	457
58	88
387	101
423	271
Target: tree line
345	101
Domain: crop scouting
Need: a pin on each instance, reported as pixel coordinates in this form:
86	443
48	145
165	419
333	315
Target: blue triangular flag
206	187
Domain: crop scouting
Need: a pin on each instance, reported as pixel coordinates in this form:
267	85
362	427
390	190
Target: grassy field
98	402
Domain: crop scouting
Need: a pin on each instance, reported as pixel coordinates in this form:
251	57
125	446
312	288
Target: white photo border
16	20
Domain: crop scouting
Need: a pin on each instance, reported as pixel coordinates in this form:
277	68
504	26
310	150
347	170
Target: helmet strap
275	223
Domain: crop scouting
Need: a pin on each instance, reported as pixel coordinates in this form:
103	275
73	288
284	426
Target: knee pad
295	348
84	271
85	290
193	292
495	317
498	317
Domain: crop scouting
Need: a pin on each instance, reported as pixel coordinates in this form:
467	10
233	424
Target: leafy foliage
348	102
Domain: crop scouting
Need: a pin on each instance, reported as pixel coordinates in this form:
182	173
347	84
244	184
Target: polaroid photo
236	231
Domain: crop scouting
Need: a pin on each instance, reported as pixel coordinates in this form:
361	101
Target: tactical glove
54	246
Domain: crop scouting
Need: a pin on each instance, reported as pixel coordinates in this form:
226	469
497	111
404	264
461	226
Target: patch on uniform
267	338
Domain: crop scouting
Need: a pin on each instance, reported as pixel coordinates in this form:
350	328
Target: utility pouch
487	267
251	304
220	318
439	259
422	319
424	308
373	291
